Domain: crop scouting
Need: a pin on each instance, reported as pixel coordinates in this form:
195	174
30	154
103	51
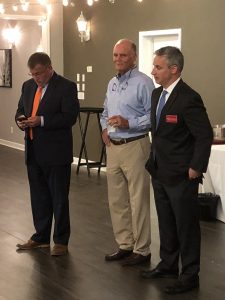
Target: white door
150	41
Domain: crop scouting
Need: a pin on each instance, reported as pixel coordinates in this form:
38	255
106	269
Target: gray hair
173	56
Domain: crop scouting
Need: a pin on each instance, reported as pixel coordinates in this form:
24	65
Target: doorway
150	41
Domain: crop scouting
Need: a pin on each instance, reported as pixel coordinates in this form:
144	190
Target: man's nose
118	57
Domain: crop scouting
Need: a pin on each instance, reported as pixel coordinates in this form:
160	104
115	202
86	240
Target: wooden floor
84	274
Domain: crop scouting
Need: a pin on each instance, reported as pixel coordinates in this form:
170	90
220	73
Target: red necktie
36	102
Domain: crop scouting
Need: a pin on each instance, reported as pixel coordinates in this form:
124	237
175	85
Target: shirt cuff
42	121
103	125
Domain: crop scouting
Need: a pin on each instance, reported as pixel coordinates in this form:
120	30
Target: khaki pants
129	194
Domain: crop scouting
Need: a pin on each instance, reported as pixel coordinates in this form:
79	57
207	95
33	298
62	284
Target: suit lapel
45	98
173	95
169	101
155	100
31	98
50	89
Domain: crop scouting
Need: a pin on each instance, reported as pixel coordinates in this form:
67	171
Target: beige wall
202	23
56	38
30	39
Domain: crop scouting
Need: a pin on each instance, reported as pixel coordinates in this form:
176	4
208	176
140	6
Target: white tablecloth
214	181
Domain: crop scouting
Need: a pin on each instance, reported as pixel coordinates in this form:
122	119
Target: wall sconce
11	35
83	28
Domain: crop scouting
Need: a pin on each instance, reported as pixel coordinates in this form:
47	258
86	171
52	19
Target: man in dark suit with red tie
47	110
181	144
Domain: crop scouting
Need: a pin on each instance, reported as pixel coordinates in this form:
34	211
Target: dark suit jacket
184	135
52	143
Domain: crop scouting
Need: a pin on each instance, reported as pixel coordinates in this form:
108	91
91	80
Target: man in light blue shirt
125	131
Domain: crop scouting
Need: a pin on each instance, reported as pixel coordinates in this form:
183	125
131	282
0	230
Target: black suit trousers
178	216
49	190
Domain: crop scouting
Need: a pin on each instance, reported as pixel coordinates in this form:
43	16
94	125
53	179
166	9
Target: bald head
124	55
128	43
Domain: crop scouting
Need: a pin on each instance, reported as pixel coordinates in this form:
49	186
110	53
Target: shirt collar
126	75
172	86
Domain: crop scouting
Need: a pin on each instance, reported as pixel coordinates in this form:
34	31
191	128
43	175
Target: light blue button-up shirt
129	96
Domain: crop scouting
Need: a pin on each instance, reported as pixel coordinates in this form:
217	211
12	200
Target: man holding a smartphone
47	110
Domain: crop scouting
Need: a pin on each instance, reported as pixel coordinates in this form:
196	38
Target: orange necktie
36	102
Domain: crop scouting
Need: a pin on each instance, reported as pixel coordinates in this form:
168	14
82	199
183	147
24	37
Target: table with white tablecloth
214	181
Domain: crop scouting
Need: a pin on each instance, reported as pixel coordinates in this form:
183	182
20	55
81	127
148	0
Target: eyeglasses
124	86
37	74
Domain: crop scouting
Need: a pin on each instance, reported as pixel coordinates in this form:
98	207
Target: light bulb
90	2
15	8
65	2
25	6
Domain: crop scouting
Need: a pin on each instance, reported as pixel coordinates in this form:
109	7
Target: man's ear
174	69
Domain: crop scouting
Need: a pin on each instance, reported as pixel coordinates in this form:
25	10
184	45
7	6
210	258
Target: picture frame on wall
6	68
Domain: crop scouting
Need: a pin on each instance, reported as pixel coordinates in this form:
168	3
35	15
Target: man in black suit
47	110
181	144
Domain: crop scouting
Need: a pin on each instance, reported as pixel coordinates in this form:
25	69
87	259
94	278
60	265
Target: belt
128	140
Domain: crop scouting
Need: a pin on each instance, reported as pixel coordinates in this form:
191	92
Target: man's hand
193	174
33	121
118	121
20	122
105	137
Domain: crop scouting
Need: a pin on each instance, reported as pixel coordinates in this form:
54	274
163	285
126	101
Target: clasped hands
29	122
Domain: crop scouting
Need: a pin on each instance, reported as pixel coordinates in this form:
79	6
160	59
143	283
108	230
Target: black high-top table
83	129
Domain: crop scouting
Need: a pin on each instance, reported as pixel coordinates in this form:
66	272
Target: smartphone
21	118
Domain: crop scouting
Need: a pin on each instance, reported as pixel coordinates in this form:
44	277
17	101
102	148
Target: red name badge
171	118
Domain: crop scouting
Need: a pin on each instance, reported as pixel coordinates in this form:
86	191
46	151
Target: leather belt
128	140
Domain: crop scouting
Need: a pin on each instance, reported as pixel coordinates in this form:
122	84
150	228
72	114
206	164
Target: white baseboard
12	144
21	147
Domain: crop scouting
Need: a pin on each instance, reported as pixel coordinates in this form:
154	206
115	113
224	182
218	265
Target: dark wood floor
84	274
